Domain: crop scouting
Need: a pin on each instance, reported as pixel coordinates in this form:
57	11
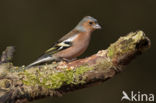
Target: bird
72	45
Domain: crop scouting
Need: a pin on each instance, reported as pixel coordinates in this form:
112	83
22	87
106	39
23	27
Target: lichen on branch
55	79
18	84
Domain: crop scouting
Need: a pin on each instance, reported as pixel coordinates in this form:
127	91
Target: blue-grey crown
89	18
86	18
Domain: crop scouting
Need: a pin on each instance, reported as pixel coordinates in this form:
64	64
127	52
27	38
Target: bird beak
97	26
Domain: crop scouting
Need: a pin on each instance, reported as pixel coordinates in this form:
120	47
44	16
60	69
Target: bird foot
69	60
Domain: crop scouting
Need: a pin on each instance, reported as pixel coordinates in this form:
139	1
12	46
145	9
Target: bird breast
78	47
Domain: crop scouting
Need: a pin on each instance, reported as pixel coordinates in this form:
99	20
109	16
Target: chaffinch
72	45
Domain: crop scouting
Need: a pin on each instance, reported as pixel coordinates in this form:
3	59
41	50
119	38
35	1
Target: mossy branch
7	55
19	85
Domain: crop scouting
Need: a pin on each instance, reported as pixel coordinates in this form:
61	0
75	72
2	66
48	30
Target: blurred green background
34	25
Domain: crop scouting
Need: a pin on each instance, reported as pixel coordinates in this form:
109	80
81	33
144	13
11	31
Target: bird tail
42	59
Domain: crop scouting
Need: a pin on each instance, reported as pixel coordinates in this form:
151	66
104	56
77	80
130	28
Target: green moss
111	50
125	44
53	79
5	83
57	79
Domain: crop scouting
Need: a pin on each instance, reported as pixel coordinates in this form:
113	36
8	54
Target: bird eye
90	23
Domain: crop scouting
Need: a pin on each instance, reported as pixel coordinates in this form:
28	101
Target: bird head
88	24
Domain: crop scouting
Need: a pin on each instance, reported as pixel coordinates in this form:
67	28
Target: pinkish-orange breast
78	47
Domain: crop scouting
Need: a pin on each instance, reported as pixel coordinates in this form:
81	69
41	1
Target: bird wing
70	34
63	43
58	47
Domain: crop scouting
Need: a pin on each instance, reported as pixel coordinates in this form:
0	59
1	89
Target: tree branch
7	55
19	85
